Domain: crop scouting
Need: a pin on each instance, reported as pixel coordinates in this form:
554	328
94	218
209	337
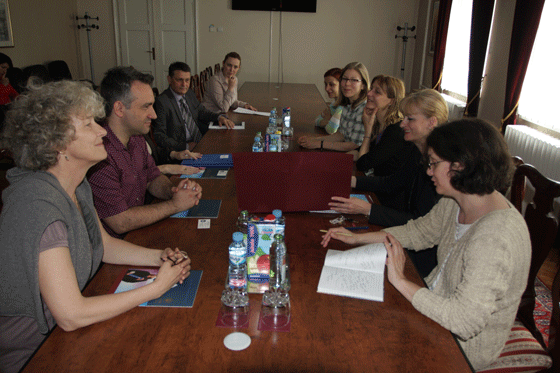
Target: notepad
211	160
237	126
206	208
356	273
180	295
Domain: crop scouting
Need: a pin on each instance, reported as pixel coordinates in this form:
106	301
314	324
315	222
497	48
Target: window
456	64
537	103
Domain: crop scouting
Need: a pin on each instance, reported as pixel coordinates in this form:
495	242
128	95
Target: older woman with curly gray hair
51	237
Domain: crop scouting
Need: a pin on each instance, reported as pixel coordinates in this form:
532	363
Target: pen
355	228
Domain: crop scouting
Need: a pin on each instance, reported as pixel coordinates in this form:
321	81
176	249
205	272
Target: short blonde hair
39	123
429	102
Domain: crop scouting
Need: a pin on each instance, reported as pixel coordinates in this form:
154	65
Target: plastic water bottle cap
238	236
277	213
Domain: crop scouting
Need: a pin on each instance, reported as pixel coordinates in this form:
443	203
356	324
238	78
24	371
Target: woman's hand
4	80
250	107
350	205
232	83
396	258
340	234
368	118
309	142
176	258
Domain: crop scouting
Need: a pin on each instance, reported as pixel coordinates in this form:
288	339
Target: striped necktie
191	129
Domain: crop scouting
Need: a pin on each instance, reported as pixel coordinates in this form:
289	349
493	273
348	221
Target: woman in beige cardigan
484	250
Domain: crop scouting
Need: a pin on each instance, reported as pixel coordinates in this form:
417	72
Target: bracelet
321	144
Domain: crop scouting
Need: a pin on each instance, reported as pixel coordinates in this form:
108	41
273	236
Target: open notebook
291	181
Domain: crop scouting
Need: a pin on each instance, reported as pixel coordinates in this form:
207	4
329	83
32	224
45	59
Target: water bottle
237	273
243	221
271	129
279	279
258	145
287	129
279	218
235	294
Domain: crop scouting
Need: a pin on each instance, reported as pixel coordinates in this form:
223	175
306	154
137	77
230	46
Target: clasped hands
186	194
176	267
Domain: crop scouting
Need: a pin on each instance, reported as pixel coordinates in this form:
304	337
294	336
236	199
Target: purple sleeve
55	235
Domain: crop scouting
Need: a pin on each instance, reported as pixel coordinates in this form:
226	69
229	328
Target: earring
65	156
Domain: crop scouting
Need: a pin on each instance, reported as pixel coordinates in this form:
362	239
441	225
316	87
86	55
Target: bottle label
238	282
237	259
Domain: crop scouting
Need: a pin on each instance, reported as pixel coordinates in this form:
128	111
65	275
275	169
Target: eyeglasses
352	81
432	164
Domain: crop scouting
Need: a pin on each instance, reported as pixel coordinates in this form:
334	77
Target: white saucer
237	341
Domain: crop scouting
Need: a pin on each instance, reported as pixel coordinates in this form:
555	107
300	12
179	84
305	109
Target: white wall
44	31
339	33
103	48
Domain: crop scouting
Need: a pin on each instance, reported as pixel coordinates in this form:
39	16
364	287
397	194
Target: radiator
537	149
456	107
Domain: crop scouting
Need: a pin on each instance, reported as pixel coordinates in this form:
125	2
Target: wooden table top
328	333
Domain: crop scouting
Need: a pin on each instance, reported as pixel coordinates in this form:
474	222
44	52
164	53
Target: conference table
328	333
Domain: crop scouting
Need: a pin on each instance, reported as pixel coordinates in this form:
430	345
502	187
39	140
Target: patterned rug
543	308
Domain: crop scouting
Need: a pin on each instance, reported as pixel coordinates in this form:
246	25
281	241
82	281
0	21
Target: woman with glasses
354	85
484	250
407	193
332	84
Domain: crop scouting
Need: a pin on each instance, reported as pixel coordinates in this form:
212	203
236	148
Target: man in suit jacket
171	131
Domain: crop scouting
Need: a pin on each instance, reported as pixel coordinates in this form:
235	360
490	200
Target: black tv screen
307	6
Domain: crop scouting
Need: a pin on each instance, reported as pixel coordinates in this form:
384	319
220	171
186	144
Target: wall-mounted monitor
307	6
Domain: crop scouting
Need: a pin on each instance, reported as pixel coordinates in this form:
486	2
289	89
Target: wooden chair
195	86
216	68
521	350
202	84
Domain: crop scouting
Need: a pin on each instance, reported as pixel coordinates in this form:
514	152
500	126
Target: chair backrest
216	68
58	70
195	86
543	227
38	71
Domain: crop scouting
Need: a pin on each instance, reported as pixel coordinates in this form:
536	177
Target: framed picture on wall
6	37
433	25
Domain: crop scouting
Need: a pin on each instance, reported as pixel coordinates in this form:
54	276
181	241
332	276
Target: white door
155	33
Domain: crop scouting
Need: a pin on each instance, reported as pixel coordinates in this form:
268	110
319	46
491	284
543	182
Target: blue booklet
209	173
206	208
211	160
180	295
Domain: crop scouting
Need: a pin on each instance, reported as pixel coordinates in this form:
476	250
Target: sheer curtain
456	63
539	97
